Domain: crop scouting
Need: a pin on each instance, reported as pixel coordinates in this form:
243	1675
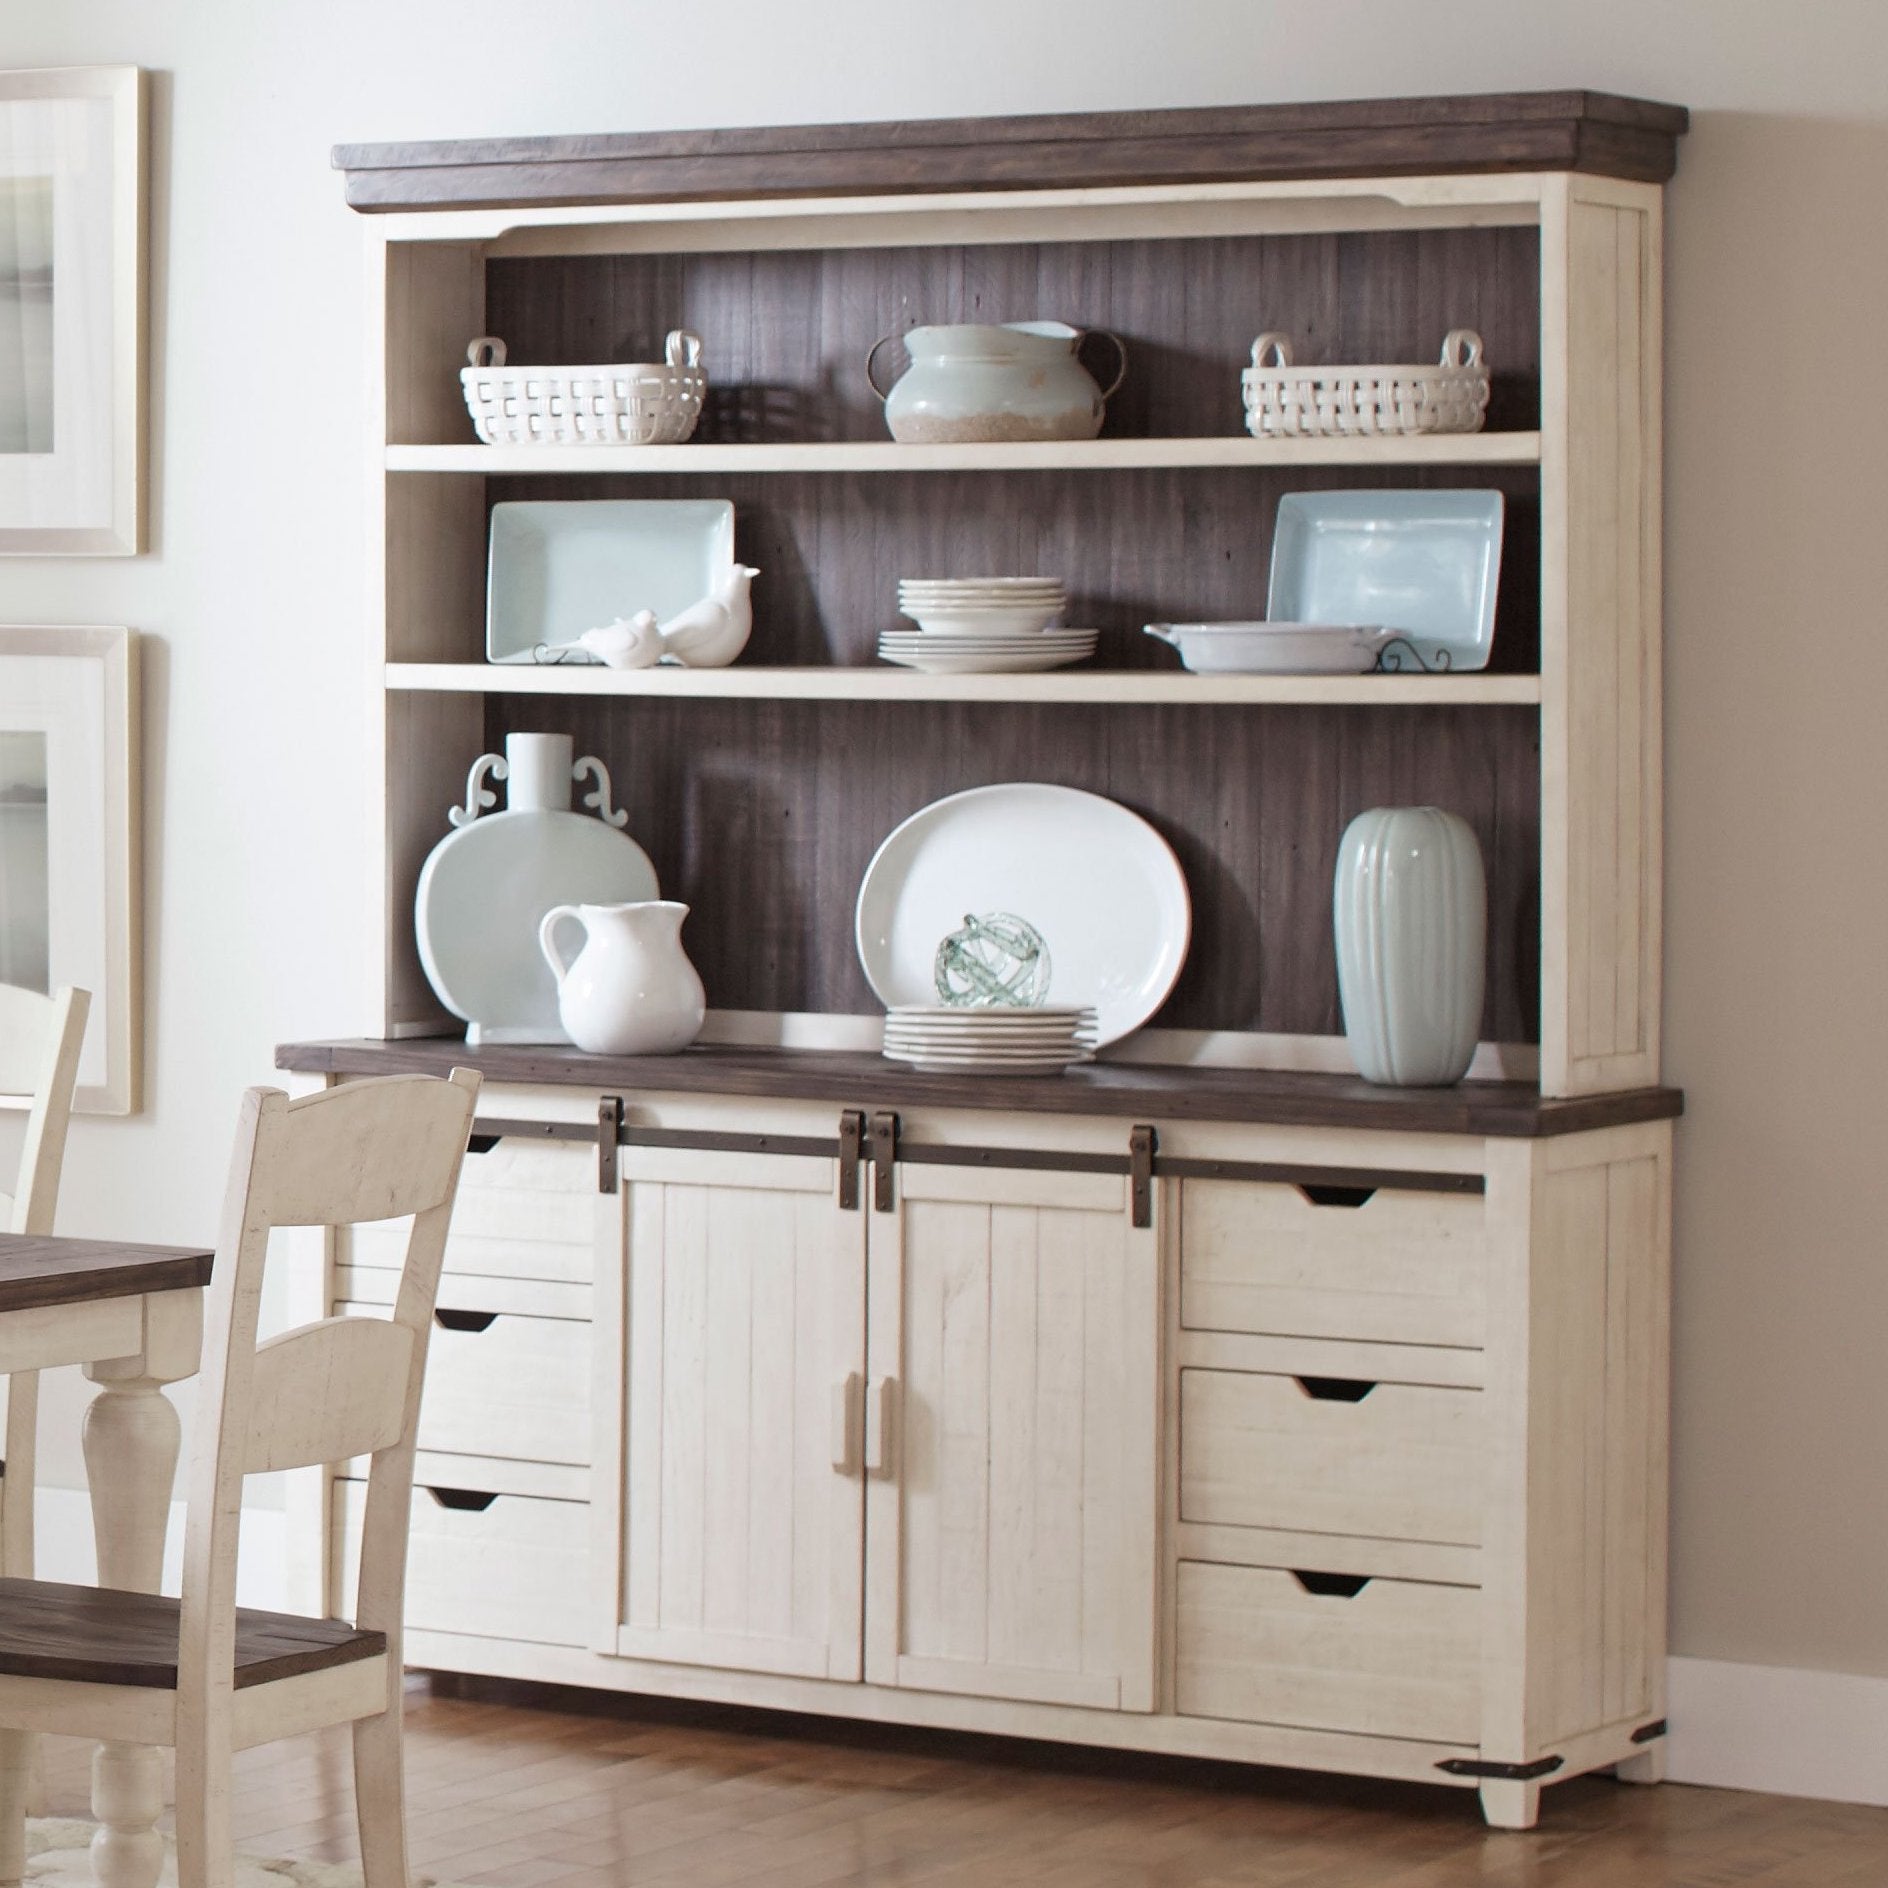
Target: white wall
1777	567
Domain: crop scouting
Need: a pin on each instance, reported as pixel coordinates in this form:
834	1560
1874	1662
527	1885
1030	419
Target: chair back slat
348	1155
39	1057
370	1150
327	1392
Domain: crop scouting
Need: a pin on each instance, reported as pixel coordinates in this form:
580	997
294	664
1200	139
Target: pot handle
1273	343
1462	347
487	351
1121	370
871	359
547	940
682	348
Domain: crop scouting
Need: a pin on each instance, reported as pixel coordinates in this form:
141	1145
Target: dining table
131	1316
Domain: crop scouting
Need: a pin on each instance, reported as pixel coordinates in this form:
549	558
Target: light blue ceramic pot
1410	906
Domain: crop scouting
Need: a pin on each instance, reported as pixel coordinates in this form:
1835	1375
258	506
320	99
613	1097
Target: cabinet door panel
745	1315
1011	1530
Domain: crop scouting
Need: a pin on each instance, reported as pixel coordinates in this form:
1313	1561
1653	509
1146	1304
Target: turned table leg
131	1445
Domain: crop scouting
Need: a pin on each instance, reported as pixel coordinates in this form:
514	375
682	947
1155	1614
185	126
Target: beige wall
1777	569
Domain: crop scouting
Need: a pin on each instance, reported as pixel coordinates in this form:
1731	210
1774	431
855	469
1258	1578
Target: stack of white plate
994	655
994	1041
984	626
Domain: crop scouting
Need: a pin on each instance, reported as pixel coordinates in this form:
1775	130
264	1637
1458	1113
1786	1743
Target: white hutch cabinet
1208	1401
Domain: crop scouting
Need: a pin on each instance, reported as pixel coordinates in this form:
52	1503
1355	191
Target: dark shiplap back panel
762	817
785	333
1132	547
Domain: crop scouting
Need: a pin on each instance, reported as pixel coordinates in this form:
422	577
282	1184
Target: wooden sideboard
1327	1433
1241	1409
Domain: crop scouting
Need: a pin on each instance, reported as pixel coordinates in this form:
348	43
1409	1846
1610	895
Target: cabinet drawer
506	1386
1395	1658
505	1570
527	1209
1402	1267
1402	1462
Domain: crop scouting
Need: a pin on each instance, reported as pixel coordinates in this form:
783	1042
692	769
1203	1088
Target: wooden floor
544	1796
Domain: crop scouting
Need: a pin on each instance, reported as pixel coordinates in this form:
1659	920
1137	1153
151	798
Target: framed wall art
69	871
72	294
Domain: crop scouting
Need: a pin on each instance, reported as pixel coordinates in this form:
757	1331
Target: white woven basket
646	403
1287	402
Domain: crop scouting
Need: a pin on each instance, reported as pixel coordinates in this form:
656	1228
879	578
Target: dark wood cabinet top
38	1270
1594	132
1124	1091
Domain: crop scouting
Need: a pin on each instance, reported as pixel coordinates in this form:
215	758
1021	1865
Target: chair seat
98	1636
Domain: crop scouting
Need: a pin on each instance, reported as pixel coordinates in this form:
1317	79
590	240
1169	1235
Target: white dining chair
200	1674
39	1058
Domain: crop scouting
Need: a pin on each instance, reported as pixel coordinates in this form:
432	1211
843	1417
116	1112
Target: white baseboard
62	1547
1734	1727
1791	1733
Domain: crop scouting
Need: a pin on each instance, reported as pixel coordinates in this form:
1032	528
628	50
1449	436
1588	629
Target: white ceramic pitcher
631	989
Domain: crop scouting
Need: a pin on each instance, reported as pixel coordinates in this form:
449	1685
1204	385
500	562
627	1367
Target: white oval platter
1097	881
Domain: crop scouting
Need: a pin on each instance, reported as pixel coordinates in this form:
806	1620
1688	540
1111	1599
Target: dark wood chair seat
97	1636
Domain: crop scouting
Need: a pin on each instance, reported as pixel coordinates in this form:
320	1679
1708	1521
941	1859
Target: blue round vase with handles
1410	908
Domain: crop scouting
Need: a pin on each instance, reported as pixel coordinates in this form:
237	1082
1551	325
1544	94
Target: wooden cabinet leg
1648	1766
1509	1805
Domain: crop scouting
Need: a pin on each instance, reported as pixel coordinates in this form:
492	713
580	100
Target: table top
37	1269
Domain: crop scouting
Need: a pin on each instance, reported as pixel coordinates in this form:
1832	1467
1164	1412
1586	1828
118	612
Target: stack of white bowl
987	625
1007	1040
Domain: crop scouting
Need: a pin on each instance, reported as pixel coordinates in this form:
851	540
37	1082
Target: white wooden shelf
887	455
1095	686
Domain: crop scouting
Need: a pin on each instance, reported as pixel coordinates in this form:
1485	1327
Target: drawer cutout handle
465	1320
466	1500
1336	1196
1335	1389
1333	1586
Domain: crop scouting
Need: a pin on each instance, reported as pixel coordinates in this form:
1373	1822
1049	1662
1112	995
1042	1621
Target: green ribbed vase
1410	908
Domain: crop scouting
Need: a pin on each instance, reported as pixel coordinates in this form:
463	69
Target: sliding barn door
1011	1424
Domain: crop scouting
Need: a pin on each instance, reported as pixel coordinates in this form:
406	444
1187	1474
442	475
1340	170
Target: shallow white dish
996	586
1017	655
1273	648
926	1033
927	1066
561	566
955	1013
1425	564
1065	1043
1101	886
954	620
918	639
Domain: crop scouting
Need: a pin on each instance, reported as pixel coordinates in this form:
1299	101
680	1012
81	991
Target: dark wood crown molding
1594	132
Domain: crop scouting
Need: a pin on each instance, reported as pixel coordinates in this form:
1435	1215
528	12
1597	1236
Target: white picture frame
69	851
72	311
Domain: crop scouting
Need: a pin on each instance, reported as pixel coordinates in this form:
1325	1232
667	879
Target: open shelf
1096	686
887	455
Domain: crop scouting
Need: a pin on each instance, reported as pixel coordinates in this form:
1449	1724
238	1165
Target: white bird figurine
630	642
711	633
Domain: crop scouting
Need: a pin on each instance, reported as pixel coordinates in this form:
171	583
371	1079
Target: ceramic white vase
484	887
1410	906
631	989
